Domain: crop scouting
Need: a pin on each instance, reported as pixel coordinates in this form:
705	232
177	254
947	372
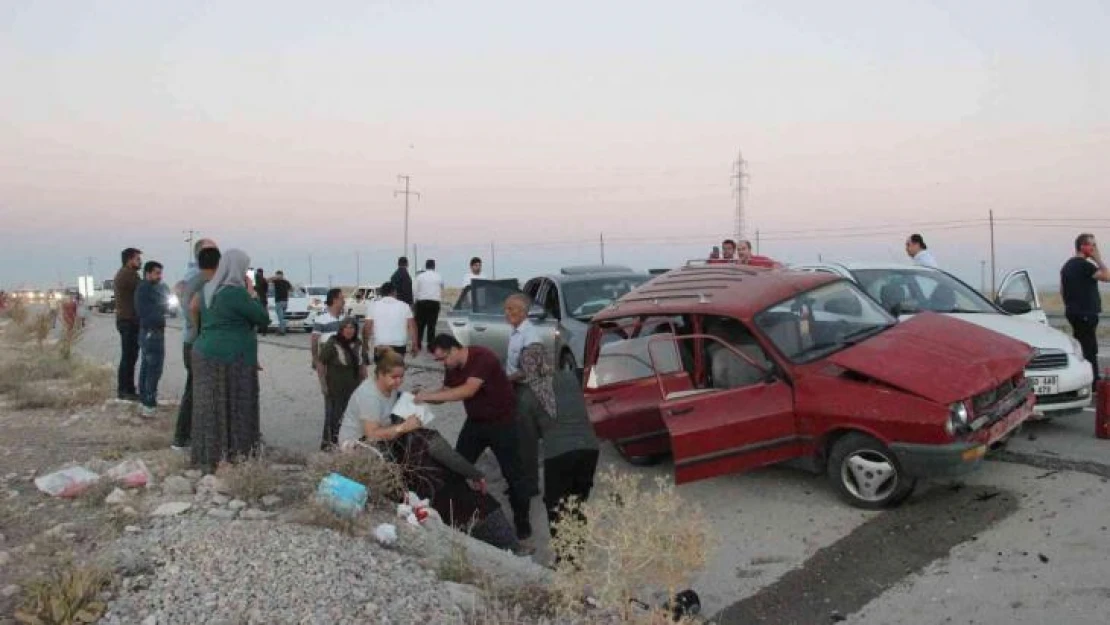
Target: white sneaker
147	411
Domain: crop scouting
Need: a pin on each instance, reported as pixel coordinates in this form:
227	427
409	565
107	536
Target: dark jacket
402	281
342	376
150	305
125	284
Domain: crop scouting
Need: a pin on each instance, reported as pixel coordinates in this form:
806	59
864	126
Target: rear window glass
627	351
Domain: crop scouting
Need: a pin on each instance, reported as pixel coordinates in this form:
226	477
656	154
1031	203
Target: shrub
626	543
384	479
41	325
17	311
66	596
250	479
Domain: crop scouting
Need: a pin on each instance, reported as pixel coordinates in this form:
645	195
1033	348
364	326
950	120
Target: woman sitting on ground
432	468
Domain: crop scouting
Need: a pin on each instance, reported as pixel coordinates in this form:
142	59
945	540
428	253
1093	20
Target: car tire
866	474
638	461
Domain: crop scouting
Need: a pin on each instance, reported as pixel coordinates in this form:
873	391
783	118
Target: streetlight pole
406	192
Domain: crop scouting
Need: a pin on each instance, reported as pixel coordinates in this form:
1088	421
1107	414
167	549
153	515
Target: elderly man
528	417
196	275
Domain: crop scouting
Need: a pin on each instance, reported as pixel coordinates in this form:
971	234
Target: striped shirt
325	325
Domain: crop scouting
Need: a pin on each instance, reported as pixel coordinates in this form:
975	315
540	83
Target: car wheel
866	474
638	461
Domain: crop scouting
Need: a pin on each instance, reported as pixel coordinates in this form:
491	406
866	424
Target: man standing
127	323
150	307
473	375
207	260
919	252
744	256
528	419
281	288
429	293
475	272
402	281
391	323
324	326
262	290
1079	280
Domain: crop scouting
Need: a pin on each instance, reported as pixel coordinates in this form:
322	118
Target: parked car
317	296
730	368
359	300
563	305
1061	377
298	316
105	298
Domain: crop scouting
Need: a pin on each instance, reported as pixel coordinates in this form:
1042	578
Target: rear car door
1018	285
726	427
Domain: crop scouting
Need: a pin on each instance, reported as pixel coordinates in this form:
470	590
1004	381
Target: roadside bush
69	337
250	479
17	311
47	380
384	479
41	325
66	596
627	543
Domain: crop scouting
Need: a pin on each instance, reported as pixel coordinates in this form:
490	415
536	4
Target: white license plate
1045	384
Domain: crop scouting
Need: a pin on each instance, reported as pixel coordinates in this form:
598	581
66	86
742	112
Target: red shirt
495	401
762	261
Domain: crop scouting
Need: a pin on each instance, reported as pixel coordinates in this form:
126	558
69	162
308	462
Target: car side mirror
1015	306
537	313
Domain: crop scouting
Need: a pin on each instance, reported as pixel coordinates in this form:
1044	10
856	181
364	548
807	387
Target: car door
1018	286
727	428
548	327
488	327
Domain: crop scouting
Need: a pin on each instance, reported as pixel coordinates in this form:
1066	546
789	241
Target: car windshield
319	291
908	291
822	321
586	298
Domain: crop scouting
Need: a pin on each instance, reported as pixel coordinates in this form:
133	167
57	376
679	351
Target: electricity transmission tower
740	175
406	192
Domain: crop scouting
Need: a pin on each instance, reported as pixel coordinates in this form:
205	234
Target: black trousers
502	439
129	355
528	436
1084	327
426	312
183	432
567	475
334	407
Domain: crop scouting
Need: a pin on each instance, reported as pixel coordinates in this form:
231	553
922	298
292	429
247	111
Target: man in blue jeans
150	306
281	287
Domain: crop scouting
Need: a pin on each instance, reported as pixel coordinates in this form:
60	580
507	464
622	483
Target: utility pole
358	269
310	268
190	235
983	277
493	260
994	293
740	175
90	259
415	258
406	192
602	237
757	242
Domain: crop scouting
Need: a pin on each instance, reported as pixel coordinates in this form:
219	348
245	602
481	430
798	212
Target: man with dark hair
127	322
207	260
262	290
402	281
150	307
281	288
728	251
1079	280
429	293
475	272
919	252
391	323
474	376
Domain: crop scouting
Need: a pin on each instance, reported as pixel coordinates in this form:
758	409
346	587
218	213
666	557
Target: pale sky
280	127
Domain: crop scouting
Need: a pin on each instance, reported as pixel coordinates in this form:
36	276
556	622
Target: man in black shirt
402	281
281	288
1079	280
261	288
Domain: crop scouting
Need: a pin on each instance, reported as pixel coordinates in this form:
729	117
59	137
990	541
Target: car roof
562	278
731	290
866	265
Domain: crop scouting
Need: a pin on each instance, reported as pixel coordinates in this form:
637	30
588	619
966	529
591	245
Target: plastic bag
69	482
386	533
342	495
130	473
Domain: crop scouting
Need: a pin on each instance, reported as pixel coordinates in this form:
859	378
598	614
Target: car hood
1035	334
937	357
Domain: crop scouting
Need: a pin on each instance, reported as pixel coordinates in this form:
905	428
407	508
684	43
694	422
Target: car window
551	300
910	291
463	302
822	321
586	298
1018	288
489	295
532	287
735	334
626	355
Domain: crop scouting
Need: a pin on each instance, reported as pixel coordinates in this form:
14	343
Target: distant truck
102	298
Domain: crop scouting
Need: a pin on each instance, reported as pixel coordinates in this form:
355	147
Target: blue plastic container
341	495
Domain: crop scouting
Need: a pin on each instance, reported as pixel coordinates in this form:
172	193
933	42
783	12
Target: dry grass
69	337
47	380
626	542
318	515
456	566
94	495
65	596
384	479
250	479
41	325
17	311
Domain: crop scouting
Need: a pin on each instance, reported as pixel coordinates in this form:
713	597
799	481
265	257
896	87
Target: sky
533	131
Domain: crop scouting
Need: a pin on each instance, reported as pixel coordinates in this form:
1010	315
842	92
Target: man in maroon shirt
745	256
474	376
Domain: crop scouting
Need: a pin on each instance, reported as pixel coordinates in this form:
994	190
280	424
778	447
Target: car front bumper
1074	390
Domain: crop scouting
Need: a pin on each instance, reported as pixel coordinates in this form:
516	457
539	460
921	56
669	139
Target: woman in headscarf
340	357
570	449
225	366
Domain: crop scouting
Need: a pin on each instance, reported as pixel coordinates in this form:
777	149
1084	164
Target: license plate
1045	384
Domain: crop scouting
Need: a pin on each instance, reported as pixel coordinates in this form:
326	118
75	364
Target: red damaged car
730	368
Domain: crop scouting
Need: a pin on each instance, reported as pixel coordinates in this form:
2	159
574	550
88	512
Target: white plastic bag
69	482
386	534
130	473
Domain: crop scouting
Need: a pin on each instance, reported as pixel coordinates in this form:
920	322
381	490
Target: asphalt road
787	550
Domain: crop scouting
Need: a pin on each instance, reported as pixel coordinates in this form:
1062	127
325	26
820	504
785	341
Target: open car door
486	315
1017	292
741	420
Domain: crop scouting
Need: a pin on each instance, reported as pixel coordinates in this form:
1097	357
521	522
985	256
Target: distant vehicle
317	295
297	313
563	305
358	301
729	369
104	299
1061	377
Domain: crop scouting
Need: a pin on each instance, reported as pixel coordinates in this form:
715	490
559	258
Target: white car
298	316
317	296
358	301
1062	378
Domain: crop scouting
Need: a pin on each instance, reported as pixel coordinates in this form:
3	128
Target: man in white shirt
429	293
528	411
919	252
475	272
390	322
